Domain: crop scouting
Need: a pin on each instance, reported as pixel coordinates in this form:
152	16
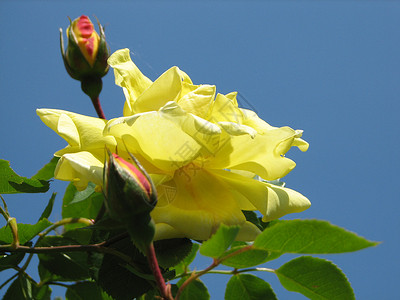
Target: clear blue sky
330	68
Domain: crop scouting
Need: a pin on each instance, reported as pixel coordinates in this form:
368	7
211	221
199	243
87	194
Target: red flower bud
85	57
130	197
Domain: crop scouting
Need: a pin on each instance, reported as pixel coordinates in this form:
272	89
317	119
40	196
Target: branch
216	262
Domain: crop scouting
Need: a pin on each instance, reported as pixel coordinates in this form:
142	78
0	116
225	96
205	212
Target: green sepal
92	86
141	232
101	66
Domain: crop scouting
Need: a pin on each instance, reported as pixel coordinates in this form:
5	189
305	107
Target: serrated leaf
115	279
76	206
309	237
47	172
248	287
67	265
249	258
46	275
84	291
315	278
184	265
26	232
195	290
49	207
12	183
220	241
10	261
170	252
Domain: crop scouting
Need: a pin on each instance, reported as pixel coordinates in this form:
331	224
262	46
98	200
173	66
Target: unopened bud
130	197
85	57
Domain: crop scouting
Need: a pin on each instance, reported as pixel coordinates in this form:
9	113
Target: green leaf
20	289
107	223
84	291
249	258
315	278
84	204
220	241
42	293
83	195
248	287
171	252
12	183
195	290
80	235
67	265
184	264
309	237
47	172
10	261
26	232
251	216
46	275
49	207
115	279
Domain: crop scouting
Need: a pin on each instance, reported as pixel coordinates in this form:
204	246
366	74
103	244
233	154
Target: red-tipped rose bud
130	197
86	55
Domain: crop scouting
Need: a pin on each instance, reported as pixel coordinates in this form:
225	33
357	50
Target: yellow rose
202	152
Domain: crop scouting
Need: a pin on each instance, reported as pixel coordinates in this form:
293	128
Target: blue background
330	68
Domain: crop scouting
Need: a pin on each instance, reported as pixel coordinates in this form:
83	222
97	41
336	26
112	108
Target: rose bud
85	58
130	196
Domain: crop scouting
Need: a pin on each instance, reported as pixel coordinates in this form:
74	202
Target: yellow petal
80	168
299	142
129	77
250	194
251	119
81	132
185	77
165	231
248	232
166	88
199	101
180	138
169	149
237	129
262	155
282	201
271	200
225	110
202	202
